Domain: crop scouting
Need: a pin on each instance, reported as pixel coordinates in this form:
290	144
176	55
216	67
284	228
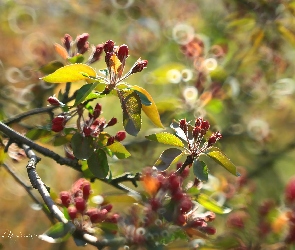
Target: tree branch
24	115
20	139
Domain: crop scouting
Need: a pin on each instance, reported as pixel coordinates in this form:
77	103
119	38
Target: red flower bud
108	207
58	123
86	190
80	204
109	46
72	212
183	125
214	138
113	219
198	223
96	111
290	191
97	215
198	122
65	197
120	136
112	122
54	101
82	44
181	219
185	205
97	53
205	125
87	131
208	230
123	53
67	40
111	140
139	66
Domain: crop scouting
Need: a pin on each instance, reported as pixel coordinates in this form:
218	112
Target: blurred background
230	61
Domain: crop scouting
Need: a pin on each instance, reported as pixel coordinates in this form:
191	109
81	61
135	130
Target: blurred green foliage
231	61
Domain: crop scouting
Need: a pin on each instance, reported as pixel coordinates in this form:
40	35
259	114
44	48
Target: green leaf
131	107
211	204
76	59
167	157
37	133
84	92
51	67
58	232
200	170
98	164
143	98
225	162
70	73
179	132
61	140
150	110
82	146
166	138
119	150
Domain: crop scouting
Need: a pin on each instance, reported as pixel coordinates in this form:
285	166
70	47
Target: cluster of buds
195	135
171	202
94	125
115	59
166	205
83	216
79	46
120	136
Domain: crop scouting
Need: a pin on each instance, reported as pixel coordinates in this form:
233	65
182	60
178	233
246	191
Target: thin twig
37	183
20	139
24	115
28	190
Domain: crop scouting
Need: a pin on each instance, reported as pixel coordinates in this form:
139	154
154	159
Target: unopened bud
139	66
82	43
112	122
120	136
67	40
97	53
109	46
54	101
123	53
58	123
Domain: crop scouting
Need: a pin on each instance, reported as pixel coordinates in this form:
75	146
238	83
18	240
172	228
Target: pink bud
290	191
72	212
58	123
82	43
139	66
109	46
111	140
65	198
120	136
205	125
96	111
67	40
97	53
112	122
54	101
80	204
123	53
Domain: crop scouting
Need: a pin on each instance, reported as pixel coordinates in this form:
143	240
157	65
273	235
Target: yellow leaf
70	73
151	111
61	51
115	63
